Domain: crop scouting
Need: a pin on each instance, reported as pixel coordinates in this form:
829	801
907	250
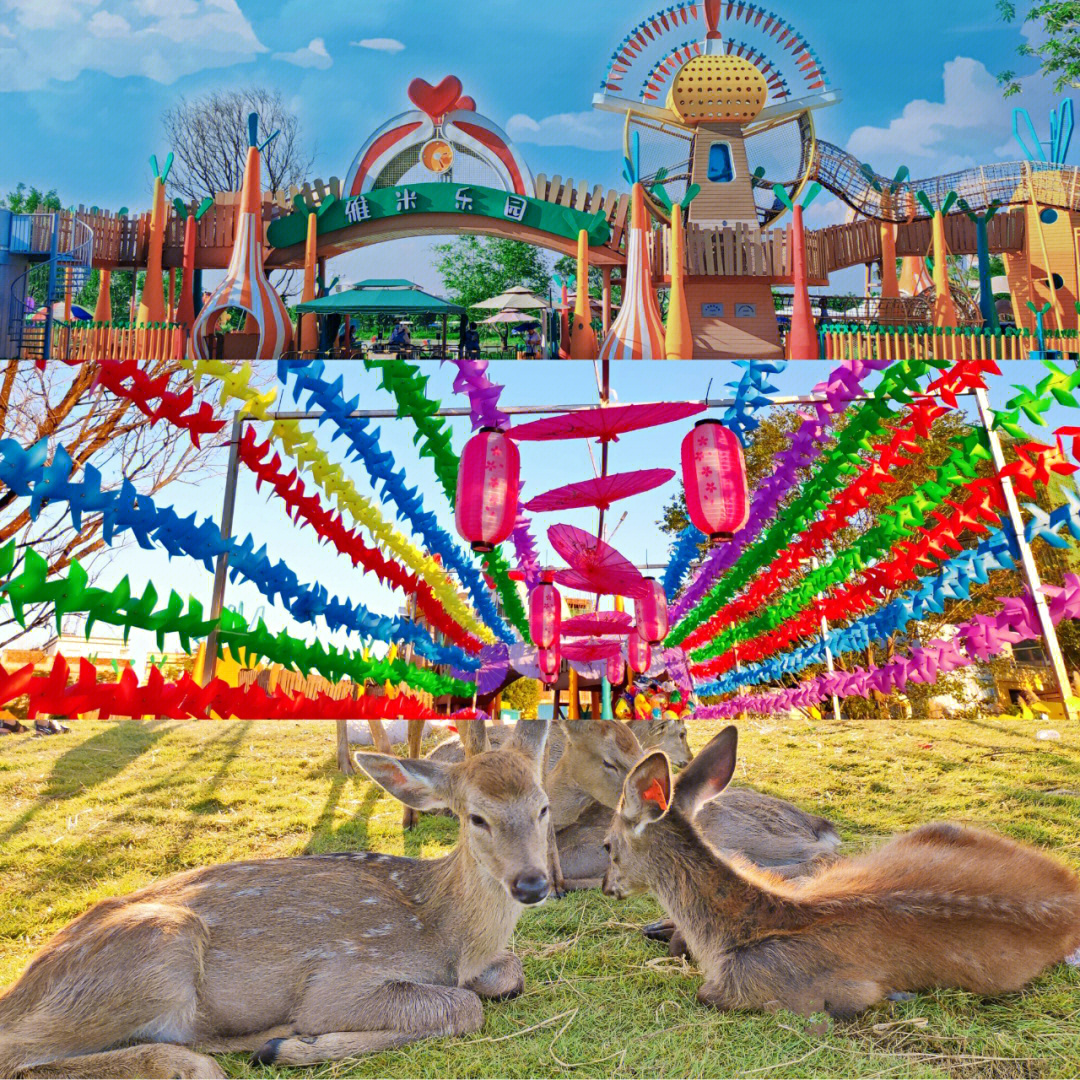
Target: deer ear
575	729
474	737
418	782
530	737
708	774
647	791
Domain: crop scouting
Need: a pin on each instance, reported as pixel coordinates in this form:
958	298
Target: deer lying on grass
943	906
587	761
302	960
768	831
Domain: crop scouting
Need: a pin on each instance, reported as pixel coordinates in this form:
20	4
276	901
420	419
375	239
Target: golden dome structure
718	89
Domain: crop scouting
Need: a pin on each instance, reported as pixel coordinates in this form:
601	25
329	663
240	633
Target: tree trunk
379	739
344	758
416	735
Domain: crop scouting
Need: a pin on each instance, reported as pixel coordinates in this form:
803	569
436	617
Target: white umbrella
507	316
516	299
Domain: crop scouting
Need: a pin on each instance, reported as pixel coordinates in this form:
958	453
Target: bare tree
208	135
63	405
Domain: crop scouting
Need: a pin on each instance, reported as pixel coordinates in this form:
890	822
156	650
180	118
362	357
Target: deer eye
611	765
607	846
478	821
543	813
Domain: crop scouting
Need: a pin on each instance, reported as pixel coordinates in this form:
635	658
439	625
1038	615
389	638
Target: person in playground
472	342
532	344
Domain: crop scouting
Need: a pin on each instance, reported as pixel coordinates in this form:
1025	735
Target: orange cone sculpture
583	343
152	303
245	285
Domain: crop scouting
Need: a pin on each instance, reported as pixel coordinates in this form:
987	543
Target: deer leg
555	872
393	1015
135	977
659	931
504	980
677	944
151	1060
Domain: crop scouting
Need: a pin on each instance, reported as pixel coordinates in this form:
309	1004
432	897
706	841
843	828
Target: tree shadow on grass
87	764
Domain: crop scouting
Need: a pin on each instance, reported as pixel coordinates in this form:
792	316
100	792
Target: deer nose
530	887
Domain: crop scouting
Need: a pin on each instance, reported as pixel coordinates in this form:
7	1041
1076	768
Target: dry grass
111	807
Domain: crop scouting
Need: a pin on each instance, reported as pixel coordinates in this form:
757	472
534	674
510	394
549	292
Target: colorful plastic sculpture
245	285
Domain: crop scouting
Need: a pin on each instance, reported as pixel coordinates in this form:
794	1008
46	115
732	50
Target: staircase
69	255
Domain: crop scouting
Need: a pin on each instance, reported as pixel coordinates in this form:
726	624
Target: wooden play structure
718	100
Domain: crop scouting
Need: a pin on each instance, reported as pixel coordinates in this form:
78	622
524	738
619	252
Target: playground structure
718	97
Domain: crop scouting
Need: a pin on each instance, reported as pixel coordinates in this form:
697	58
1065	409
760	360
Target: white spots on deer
254	890
379	931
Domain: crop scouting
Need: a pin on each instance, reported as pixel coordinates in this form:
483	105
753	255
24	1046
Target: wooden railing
118	341
859	242
737	251
612	205
926	343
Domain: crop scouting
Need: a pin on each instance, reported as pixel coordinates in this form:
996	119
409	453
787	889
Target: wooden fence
119	341
926	343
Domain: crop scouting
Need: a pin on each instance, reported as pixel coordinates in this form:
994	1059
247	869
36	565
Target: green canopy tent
384	296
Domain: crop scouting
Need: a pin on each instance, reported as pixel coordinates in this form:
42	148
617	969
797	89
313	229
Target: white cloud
105	24
312	55
161	40
585	130
380	44
6	31
971	124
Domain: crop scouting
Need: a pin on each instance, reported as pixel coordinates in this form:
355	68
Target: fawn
305	959
943	906
668	735
587	762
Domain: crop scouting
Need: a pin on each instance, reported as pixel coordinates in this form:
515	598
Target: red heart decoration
436	101
466	104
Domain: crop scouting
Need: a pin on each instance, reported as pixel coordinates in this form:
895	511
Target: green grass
111	807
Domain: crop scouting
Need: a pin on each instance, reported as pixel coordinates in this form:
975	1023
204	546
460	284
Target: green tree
1059	51
31	200
475	268
524	696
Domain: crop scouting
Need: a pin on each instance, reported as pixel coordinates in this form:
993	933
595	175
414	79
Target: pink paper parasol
595	625
601	491
606	423
595	566
589	651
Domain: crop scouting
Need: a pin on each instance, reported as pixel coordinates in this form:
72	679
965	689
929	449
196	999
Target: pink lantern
639	653
549	661
545	612
616	669
714	475
487	489
650	609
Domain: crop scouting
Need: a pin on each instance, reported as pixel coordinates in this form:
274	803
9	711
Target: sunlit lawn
110	807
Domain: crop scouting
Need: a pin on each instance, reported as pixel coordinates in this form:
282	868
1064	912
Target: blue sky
544	466
83	83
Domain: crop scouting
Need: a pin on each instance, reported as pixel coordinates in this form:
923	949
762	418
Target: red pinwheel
599	624
595	566
587	652
606	423
600	492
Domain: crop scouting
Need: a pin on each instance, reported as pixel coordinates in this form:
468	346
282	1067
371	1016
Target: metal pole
533	410
50	288
605	301
209	665
814	564
1027	559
